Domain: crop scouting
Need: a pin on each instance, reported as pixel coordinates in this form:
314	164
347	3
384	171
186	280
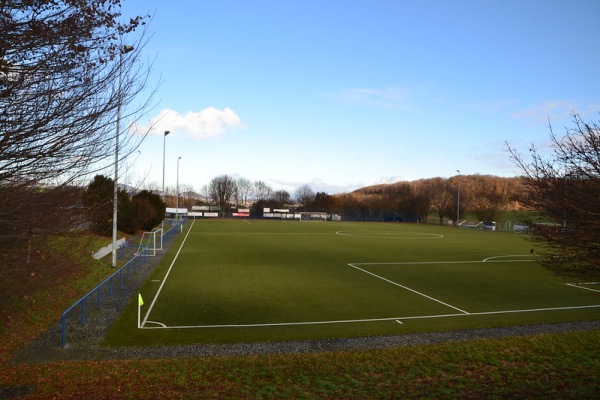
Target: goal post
151	242
313	216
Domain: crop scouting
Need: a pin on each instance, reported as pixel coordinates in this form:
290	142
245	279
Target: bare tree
488	197
423	195
222	189
460	189
442	198
304	197
187	196
170	196
64	76
149	186
204	193
565	187
262	191
244	187
281	198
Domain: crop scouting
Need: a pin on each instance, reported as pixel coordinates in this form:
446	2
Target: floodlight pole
458	200
124	49
177	193
163	181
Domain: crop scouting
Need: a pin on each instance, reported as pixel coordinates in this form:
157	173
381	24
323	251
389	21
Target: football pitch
256	280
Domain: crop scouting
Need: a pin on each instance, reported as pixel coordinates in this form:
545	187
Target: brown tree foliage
565	187
482	196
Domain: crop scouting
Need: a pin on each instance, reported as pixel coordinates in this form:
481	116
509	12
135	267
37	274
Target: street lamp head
167	132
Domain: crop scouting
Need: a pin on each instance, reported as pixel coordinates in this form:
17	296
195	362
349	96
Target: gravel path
85	343
35	354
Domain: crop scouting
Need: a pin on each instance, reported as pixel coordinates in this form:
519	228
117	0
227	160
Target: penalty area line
496	259
409	289
579	286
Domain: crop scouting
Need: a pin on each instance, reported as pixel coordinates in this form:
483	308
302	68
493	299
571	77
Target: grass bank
564	366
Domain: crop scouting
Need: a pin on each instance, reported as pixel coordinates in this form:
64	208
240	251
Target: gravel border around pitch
35	354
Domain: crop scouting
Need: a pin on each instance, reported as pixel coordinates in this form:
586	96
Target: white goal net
150	242
313	216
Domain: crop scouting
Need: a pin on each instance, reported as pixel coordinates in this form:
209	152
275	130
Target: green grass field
238	281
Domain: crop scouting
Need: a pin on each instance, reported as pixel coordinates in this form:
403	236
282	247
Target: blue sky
340	94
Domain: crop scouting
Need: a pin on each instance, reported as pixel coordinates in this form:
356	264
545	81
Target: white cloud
317	185
396	98
207	123
389	180
553	110
558	112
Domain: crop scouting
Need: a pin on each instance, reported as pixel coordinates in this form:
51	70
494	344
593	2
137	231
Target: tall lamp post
163	182
177	193
458	200
124	49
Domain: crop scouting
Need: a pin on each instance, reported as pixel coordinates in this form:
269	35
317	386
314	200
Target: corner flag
140	304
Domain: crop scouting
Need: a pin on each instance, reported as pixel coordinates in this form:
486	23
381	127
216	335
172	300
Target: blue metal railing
138	260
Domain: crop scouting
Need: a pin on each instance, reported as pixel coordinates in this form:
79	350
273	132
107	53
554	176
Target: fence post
62	331
99	297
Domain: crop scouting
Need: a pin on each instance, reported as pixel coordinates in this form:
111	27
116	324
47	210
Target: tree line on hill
484	196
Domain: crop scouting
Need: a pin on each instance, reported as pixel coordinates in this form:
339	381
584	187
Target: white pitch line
263	233
386	235
492	259
409	289
160	324
581	287
395	319
166	276
419	263
487	261
345	321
